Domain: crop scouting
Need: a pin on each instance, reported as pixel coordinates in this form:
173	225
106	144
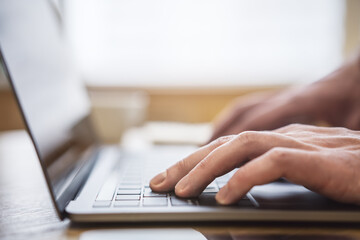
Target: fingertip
157	182
228	196
186	189
182	189
222	197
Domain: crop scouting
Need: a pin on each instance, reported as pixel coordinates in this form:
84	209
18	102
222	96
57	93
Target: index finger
167	180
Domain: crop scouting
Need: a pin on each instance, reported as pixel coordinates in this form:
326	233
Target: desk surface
27	212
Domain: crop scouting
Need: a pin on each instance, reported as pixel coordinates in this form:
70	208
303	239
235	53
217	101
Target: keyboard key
136	183
102	204
126	203
207	199
176	201
128	192
212	185
210	190
108	189
127	197
155	202
245	203
149	193
132	187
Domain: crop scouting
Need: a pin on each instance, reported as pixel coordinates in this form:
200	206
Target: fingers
167	180
245	146
294	164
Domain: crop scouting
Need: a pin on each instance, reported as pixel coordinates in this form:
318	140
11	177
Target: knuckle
221	140
248	137
278	155
282	160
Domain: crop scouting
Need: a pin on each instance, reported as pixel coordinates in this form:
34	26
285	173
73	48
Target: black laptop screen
53	101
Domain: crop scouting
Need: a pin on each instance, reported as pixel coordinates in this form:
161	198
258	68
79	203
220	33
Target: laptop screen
53	101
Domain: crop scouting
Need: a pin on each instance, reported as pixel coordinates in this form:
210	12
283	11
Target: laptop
92	182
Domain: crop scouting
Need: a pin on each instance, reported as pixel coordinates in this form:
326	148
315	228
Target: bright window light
167	43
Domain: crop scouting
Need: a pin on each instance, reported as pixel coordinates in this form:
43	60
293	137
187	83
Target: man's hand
325	160
334	100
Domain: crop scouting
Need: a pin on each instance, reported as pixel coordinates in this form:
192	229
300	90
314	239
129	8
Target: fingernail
222	195
158	179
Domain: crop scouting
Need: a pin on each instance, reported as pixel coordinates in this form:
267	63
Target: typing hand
335	100
325	160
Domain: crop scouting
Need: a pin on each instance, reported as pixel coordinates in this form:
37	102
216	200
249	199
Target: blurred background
183	61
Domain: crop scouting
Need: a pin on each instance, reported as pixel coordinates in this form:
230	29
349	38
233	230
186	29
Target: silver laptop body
90	182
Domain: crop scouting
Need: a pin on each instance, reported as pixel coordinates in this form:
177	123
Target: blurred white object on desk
171	133
113	113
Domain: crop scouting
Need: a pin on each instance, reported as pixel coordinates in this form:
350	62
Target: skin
333	101
323	159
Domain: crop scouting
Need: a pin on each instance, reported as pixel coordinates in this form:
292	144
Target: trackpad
285	195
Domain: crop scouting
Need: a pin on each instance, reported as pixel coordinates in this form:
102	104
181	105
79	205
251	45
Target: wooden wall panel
183	105
10	117
186	104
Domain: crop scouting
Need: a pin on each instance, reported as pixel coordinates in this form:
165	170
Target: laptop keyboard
131	191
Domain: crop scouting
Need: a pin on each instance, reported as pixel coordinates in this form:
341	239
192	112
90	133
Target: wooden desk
26	211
